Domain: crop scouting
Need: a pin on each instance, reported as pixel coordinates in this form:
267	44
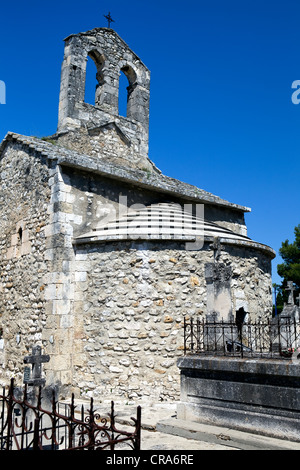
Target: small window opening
123	94
20	234
91	82
94	77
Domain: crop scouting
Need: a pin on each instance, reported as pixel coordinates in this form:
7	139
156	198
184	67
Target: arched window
93	77
91	82
123	94
126	85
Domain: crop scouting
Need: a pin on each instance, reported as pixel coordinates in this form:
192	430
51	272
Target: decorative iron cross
36	359
290	287
109	19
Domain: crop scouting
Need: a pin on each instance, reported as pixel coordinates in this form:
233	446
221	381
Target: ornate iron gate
28	426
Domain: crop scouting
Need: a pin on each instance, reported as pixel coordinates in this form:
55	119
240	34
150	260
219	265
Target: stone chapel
102	255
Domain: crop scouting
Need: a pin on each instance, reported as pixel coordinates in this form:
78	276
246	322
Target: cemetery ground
162	431
255	391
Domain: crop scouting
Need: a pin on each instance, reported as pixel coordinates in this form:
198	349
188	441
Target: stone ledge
223	435
283	367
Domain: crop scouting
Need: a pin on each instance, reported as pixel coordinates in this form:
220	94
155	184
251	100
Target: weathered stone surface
23	208
152	329
254	395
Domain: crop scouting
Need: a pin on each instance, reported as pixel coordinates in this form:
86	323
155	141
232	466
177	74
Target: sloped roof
155	222
151	181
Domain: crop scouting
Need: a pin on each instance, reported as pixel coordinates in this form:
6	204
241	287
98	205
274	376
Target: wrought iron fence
275	337
28	426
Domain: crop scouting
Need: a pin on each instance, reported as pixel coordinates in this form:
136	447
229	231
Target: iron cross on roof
109	19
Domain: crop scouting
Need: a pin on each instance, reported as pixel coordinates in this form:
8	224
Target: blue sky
221	114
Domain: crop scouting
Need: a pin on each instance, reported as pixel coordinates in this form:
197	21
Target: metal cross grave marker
217	247
36	359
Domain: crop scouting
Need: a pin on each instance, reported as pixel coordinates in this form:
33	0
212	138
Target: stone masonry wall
24	201
108	143
131	299
109	315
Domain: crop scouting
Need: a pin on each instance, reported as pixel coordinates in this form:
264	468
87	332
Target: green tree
289	270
